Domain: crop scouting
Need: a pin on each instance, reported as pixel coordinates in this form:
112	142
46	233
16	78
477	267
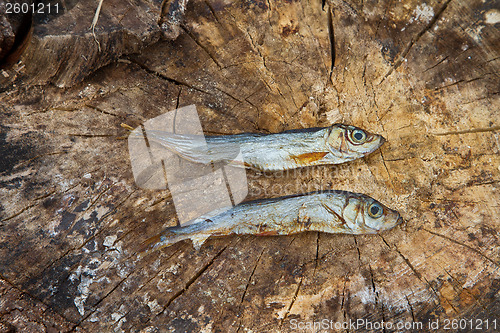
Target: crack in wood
343	293
291	93
411	308
357	248
246	288
228	94
464	245
147	283
87	135
203	47
95	306
98	109
318	44
387	170
317	253
437	64
459	289
212	10
377	300
13	286
270	9
383	239
487	96
27	207
177	102
415	39
331	37
436	293
70	269
473	130
250	278
292	301
191	281
412	268
166	78
99	195
25	163
456	83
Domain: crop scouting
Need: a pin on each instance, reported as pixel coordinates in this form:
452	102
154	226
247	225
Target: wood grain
425	76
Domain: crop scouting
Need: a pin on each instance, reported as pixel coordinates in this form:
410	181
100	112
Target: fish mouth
399	220
382	140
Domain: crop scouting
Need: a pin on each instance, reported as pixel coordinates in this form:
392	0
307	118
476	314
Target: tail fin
190	147
169	237
165	238
193	148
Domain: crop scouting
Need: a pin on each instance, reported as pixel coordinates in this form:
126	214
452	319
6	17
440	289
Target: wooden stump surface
424	75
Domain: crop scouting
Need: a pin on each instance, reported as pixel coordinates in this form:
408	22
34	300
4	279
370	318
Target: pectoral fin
308	158
198	240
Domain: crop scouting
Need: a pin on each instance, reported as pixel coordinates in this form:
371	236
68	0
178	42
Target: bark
425	76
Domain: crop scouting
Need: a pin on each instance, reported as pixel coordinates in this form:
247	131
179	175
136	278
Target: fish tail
190	147
161	240
174	235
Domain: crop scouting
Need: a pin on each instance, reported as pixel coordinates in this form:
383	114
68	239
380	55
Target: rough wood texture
423	75
64	48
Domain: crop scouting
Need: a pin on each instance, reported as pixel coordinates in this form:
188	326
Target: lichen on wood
423	75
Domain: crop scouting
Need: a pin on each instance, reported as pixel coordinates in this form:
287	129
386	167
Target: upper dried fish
271	152
327	211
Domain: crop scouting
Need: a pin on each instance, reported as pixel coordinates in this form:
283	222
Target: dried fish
291	149
325	211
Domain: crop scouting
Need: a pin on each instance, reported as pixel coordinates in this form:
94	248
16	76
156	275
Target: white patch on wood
492	16
86	277
154	307
359	289
109	241
140	201
101	210
117	315
173	269
155	265
475	32
304	304
52	227
423	13
207	329
89	90
474	277
94	318
333	116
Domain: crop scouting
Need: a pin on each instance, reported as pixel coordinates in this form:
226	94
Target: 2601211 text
34	8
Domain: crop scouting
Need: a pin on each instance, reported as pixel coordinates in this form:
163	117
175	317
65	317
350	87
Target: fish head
368	216
351	142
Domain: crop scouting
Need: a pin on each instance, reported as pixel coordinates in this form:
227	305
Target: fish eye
358	136
375	210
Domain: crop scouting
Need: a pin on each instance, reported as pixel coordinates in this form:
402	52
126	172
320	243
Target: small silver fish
272	152
326	211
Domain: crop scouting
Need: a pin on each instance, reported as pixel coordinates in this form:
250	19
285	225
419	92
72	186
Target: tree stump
424	75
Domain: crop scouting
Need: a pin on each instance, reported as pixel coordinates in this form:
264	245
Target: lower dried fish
271	152
326	211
